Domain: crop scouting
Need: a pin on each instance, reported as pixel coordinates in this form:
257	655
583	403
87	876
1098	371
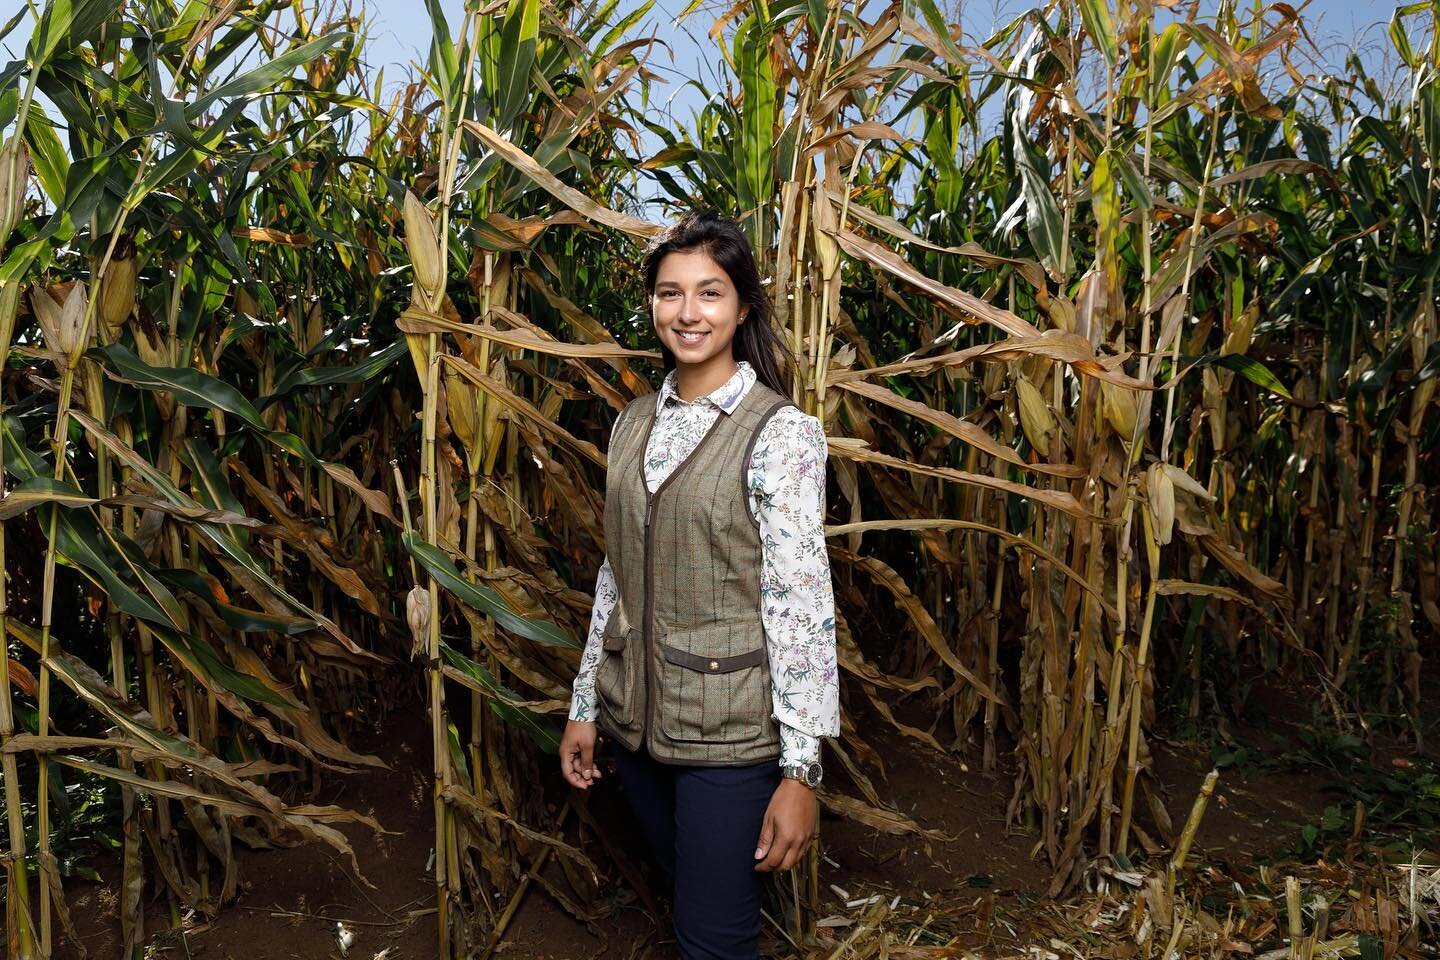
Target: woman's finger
569	755
778	852
794	854
767	838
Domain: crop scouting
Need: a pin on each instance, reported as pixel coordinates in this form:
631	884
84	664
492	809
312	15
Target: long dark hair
723	241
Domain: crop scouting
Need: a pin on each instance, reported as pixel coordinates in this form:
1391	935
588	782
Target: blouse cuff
797	747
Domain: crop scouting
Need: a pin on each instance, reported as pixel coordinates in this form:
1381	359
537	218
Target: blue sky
400	34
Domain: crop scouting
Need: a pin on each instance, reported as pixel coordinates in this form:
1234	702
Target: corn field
1121	323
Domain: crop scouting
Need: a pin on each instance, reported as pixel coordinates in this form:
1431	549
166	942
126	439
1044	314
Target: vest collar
725	397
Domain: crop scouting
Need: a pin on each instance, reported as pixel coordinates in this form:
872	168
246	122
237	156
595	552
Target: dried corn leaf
886	821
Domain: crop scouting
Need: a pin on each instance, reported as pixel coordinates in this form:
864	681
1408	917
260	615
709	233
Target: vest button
714	665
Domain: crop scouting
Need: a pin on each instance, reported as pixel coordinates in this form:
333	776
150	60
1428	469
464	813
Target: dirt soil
291	899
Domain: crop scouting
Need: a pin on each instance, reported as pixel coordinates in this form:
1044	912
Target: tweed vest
684	666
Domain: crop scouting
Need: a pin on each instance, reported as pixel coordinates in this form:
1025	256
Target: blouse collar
725	397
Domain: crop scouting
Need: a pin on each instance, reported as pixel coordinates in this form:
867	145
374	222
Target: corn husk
1061	312
314	326
117	289
423	245
461	407
63	325
91	382
245	304
1035	417
1242	332
1213	399
9	307
825	223
1184	481
418	343
1119	408
1160	488
152	346
417	615
12	189
492	426
253	343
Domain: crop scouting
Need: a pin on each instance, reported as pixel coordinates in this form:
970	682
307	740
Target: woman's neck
694	380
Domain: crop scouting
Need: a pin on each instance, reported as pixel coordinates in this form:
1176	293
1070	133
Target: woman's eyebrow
699	283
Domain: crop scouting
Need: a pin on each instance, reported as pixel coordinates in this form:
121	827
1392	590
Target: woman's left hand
788	828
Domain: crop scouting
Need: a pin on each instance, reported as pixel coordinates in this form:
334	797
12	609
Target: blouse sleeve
582	691
582	700
787	493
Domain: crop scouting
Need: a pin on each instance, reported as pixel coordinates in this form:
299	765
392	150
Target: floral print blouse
787	495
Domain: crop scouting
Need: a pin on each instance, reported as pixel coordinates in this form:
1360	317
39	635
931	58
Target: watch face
813	772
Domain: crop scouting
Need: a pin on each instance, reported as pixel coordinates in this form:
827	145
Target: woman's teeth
690	337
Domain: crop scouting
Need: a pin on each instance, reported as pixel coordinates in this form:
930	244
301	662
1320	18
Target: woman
710	659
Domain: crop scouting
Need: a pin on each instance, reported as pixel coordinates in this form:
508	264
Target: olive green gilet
684	667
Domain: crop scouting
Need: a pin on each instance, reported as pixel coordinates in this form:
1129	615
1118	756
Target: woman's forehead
690	266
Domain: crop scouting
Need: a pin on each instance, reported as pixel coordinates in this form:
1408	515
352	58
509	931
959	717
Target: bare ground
292	899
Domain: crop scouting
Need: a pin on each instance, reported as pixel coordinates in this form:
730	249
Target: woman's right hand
577	754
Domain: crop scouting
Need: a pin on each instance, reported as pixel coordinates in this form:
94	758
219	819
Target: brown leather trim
693	661
614	642
749	451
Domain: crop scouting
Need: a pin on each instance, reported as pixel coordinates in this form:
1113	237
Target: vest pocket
714	699
617	677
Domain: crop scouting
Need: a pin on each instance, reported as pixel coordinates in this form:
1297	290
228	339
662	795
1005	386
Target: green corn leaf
80	543
1401	40
458	758
444	65
215	533
482	598
190	387
517	58
267	74
196	389
65	23
40	490
11	24
205	664
47	153
372	367
129	718
207	589
1042	213
1254	371
755	147
541	730
1101	27
209	478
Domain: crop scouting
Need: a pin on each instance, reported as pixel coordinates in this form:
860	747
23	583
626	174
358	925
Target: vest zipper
647	610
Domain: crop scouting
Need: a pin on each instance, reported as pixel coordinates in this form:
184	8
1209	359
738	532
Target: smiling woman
711	651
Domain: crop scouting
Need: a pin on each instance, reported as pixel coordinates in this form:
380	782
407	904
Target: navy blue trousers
702	824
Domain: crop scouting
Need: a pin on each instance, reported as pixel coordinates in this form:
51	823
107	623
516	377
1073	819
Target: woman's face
695	308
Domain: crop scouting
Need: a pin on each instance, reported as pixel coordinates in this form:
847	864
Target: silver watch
807	773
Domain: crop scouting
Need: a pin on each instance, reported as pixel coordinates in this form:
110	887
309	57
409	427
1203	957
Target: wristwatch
807	773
